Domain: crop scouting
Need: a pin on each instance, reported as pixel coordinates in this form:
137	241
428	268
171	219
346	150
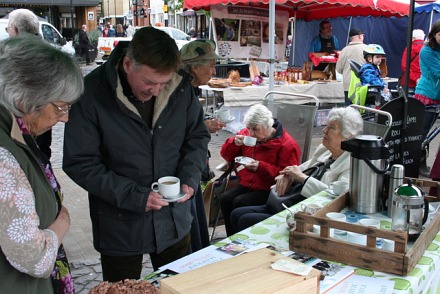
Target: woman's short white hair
350	119
34	73
258	115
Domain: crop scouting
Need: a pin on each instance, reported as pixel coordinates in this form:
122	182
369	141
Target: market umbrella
311	10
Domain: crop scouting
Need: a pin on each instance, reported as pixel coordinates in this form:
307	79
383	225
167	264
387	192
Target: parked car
179	36
47	31
106	44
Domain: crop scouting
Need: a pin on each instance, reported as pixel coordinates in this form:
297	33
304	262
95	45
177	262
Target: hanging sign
243	31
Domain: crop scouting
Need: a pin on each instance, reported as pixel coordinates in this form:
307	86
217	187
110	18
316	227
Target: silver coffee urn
368	164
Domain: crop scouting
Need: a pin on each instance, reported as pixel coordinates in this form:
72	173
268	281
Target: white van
49	33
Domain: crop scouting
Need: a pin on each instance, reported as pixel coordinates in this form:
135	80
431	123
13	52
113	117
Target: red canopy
317	9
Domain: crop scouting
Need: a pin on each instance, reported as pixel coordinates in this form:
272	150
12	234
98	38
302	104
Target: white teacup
223	114
388	245
168	187
337	216
317	230
249	141
368	222
356	238
339	187
311	208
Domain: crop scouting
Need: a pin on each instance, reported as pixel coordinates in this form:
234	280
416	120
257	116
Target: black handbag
293	195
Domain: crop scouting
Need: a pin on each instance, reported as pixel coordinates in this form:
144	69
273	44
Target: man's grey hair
24	21
350	119
34	73
258	114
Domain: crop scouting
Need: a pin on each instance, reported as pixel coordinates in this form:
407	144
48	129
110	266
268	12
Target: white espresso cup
168	187
339	187
249	141
223	114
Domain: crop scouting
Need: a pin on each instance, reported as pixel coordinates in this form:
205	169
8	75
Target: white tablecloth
327	92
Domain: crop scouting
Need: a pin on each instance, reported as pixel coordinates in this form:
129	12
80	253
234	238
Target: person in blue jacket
325	41
428	88
370	73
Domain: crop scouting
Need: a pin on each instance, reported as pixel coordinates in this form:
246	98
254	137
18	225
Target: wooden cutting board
247	273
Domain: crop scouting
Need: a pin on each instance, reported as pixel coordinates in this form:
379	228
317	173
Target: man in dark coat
84	43
138	120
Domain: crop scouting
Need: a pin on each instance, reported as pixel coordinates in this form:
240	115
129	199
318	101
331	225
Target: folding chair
371	127
297	119
358	94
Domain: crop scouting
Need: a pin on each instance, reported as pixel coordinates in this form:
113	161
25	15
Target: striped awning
51	2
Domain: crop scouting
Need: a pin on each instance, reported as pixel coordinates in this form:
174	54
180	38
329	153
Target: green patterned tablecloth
424	278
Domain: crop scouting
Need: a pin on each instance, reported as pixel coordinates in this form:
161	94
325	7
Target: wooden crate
399	262
426	186
246	273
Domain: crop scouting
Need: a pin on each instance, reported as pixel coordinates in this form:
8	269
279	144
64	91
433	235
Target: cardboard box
246	273
399	262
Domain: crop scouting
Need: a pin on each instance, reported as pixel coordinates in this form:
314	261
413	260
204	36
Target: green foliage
93	37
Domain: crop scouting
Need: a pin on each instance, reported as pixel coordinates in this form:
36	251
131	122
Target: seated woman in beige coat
343	124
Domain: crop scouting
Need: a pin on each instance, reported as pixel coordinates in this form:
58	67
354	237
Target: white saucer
231	118
330	193
180	196
243	160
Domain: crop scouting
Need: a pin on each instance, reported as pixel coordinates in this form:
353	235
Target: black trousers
238	197
117	268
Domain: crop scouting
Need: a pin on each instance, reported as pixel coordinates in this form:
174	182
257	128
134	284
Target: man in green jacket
137	121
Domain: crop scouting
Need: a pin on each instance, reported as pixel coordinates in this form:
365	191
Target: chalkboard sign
405	144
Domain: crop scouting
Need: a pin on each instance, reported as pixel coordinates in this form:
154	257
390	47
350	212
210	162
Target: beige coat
353	51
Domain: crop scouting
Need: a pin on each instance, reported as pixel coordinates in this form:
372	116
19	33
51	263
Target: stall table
424	278
328	92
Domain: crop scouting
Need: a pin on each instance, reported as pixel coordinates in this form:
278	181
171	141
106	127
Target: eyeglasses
329	27
62	111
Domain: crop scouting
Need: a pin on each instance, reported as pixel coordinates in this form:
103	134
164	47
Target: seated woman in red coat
274	150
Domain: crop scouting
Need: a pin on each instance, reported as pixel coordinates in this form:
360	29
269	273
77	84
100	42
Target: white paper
291	266
363	285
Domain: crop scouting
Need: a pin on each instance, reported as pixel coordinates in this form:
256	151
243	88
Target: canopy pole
271	45
292	50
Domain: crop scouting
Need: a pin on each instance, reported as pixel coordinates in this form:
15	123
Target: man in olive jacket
137	121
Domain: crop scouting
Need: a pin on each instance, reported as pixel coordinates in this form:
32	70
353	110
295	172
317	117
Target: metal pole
271	45
115	15
108	10
71	17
